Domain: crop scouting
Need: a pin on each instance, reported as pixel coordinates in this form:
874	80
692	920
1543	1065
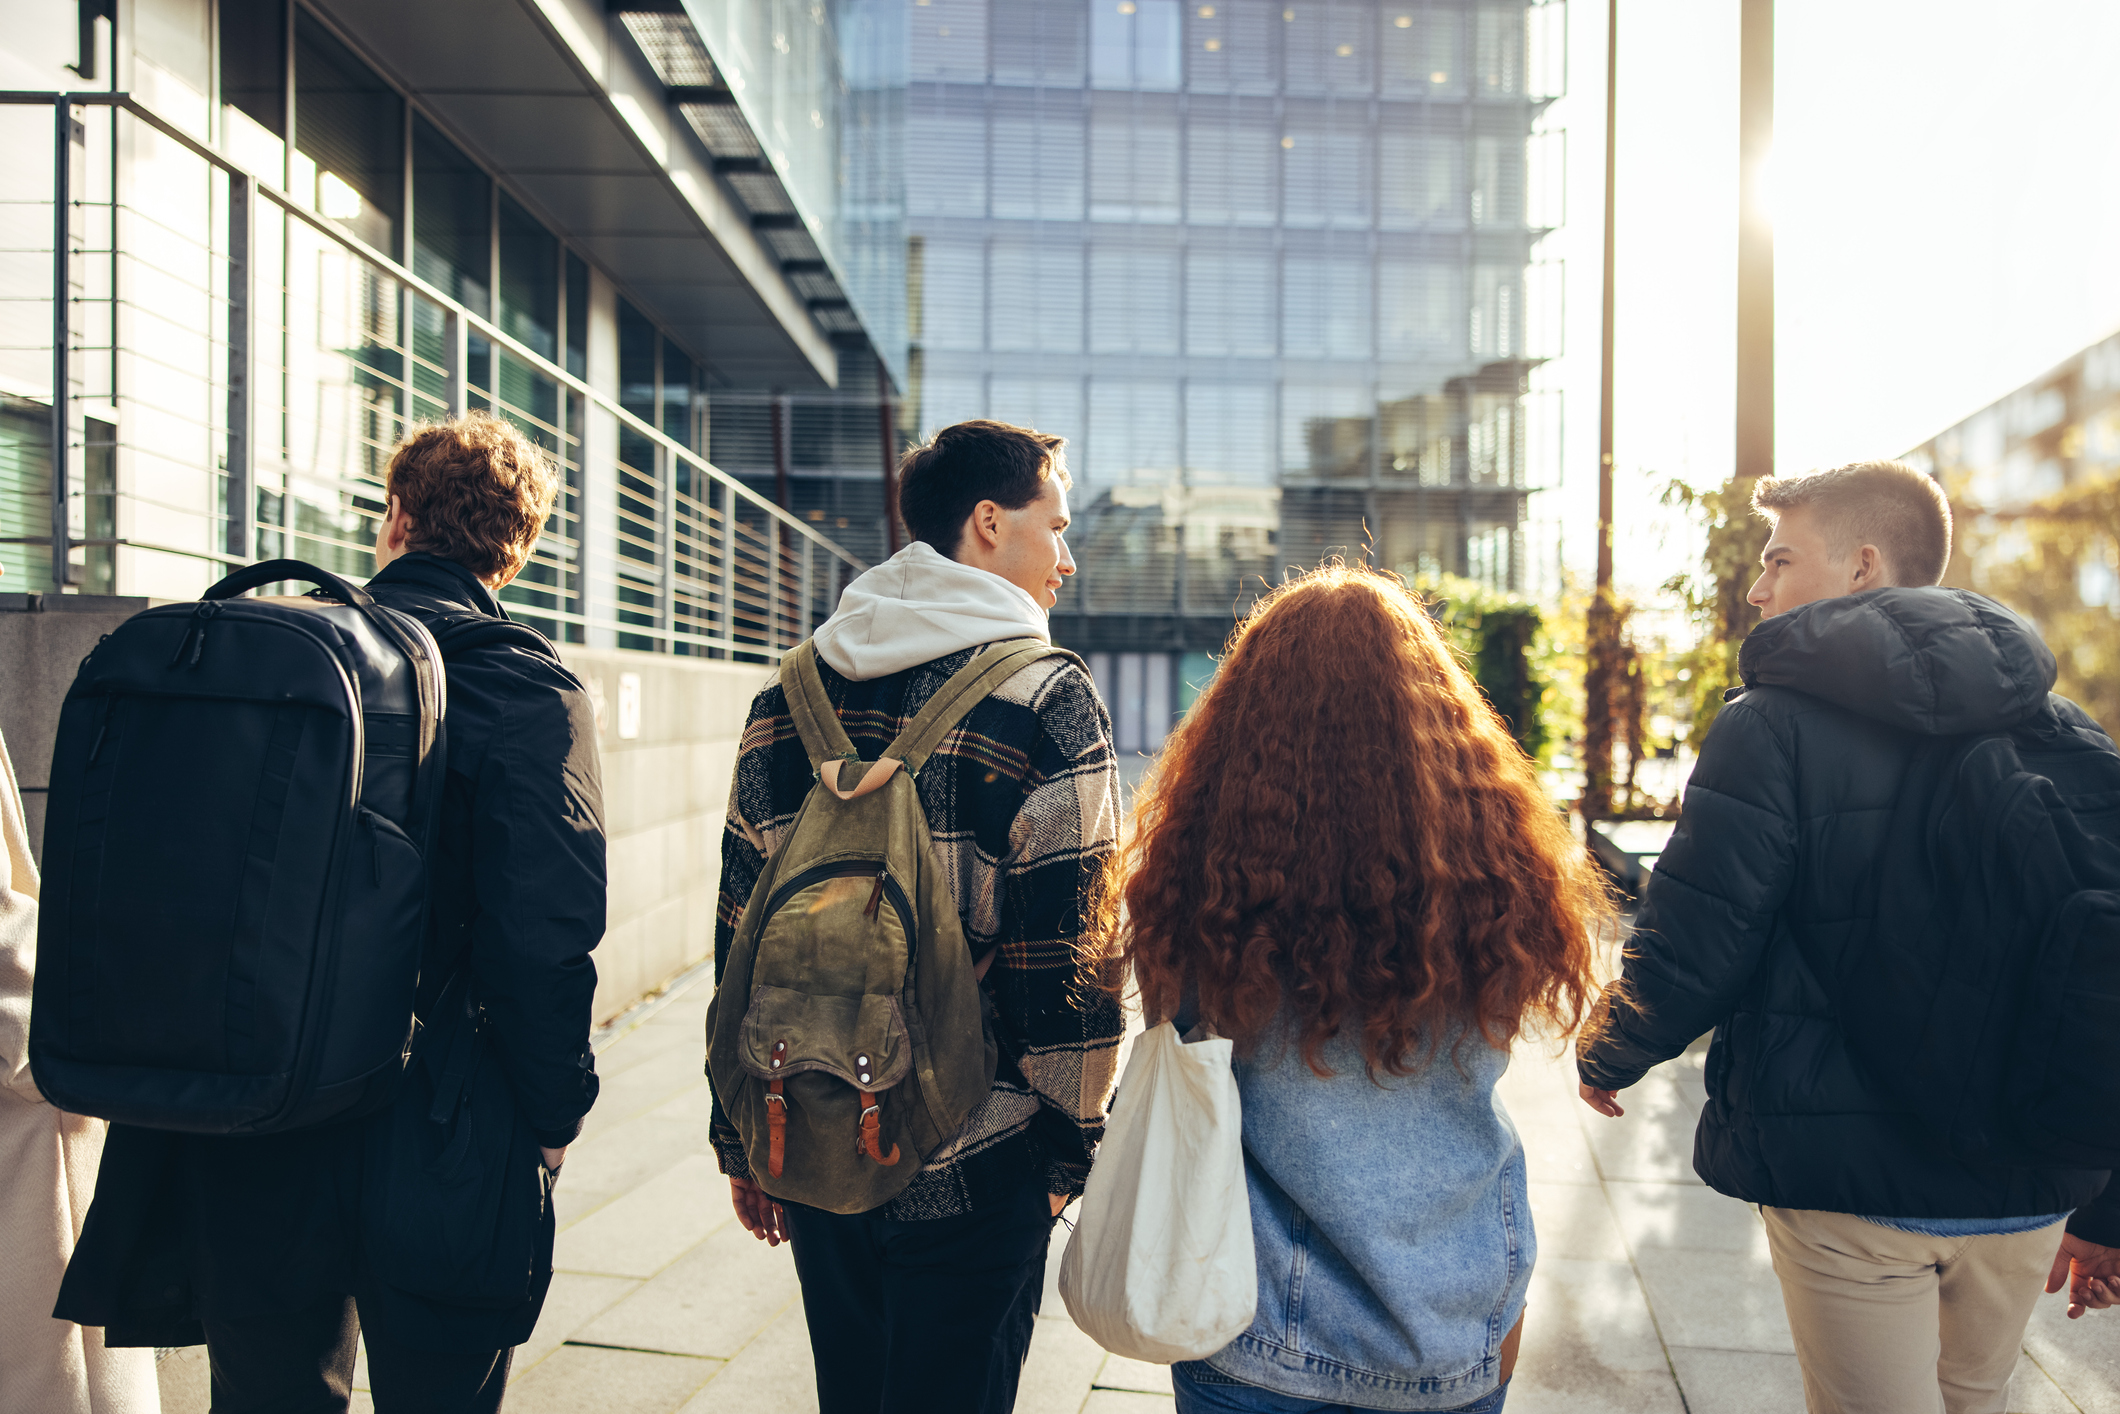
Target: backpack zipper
886	887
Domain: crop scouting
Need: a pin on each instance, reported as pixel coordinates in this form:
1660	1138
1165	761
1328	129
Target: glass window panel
1037	41
1422	50
1312	423
1325	307
529	280
1328	48
1417	310
1133	303
1051	405
1229	304
349	138
1111	43
1229	433
1037	167
953	295
1497	181
1325	175
947	40
944	402
677	404
1158	45
1423	181
254	84
945	164
1498	50
451	218
1495	326
577	316
1037	300
1133	165
1229	46
1230	170
1133	431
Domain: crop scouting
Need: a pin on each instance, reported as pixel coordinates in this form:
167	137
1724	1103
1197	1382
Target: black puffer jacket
1784	818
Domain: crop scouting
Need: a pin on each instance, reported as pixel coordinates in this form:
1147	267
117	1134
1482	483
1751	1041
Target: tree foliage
1713	597
2058	563
1500	639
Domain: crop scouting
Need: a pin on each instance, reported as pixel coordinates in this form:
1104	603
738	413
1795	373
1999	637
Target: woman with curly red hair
1347	856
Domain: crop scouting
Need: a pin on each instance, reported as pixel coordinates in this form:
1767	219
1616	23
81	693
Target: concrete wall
667	730
666	791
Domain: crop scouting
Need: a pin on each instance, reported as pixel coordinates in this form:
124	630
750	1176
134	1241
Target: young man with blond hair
273	1250
1909	1272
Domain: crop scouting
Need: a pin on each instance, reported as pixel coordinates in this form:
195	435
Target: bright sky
1947	199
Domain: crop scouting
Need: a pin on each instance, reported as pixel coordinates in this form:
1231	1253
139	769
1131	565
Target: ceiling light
760	192
673	48
722	128
790	242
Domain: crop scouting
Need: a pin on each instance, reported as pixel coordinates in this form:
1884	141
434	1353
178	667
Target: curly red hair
1344	826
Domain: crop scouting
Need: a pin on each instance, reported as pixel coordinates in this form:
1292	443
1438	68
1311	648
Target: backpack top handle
272	571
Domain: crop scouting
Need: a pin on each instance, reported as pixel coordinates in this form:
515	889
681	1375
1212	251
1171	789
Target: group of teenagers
1341	861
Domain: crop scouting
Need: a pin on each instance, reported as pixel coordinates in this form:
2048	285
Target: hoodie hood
1941	662
920	605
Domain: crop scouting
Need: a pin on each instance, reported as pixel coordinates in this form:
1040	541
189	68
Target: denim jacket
1392	1227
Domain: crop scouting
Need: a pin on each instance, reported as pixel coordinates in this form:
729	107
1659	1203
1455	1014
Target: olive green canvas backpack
849	1038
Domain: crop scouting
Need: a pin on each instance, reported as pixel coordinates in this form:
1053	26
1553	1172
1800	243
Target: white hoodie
918	606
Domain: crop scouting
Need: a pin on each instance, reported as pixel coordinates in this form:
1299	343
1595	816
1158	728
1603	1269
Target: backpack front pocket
859	1040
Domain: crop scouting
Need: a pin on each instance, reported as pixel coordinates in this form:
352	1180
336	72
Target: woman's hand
759	1214
1060	1200
1605	1102
553	1157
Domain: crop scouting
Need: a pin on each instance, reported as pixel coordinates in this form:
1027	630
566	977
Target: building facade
250	242
2034	482
1269	265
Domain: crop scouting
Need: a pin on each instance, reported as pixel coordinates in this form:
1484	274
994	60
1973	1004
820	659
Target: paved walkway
1652	1293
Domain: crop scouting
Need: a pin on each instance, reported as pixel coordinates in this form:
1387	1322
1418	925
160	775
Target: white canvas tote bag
1160	1265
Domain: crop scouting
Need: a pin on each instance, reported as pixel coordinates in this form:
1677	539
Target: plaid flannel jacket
1023	803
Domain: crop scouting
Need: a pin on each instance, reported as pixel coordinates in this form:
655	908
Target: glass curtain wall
1261	262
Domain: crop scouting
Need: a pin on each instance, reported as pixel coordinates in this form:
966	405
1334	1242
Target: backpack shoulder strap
456	636
815	718
966	689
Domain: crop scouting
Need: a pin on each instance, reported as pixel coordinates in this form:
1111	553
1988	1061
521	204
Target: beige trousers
1891	1322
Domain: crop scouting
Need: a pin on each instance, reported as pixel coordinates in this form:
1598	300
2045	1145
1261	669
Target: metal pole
887	425
242	501
456	336
62	290
1604	612
780	450
1755	243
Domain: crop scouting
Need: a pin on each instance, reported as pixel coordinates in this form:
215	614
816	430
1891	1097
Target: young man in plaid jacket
927	1302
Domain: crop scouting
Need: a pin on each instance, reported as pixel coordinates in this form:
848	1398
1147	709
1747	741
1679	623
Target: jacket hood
1941	662
920	605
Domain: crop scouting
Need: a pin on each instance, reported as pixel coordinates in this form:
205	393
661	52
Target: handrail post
728	567
666	543
242	500
62	333
456	339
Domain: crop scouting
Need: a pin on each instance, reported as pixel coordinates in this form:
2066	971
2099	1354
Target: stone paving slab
1652	1295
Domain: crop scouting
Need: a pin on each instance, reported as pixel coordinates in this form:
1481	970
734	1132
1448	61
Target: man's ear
986	524
1869	569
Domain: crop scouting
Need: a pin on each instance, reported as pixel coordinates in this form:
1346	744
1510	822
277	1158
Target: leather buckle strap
776	1127
872	1131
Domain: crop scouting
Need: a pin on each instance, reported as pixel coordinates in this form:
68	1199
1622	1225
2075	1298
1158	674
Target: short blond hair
478	492
1883	503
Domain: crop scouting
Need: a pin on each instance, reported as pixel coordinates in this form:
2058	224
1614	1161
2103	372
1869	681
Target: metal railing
258	310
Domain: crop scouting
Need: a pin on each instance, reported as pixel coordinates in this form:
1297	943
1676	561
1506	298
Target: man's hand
553	1157
2091	1272
1060	1200
1605	1102
759	1214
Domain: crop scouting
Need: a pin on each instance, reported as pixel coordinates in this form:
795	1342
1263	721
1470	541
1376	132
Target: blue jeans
1202	1390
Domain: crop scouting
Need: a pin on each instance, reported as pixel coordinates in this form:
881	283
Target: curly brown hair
477	490
1345	827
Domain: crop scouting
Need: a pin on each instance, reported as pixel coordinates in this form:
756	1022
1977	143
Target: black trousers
301	1362
927	1317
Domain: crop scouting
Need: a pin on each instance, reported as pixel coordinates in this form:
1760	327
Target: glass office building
251	241
1268	264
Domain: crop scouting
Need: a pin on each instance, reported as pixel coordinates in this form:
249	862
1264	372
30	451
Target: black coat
1784	817
186	1226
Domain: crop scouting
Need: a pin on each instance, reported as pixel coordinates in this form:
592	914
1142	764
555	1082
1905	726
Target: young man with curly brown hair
280	1252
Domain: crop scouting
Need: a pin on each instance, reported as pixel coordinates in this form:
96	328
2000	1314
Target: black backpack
243	796
1988	984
